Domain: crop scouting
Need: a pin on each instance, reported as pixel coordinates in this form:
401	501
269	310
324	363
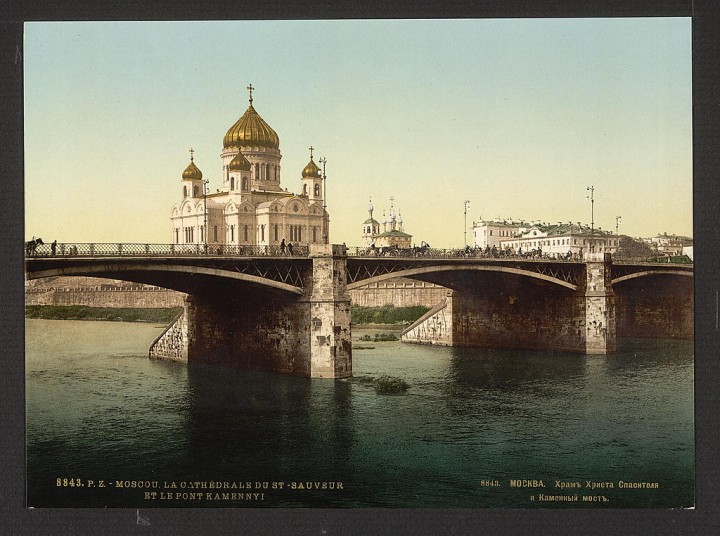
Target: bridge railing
471	253
224	250
159	250
478	253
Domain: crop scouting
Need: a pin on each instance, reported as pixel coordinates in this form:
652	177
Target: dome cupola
239	163
251	130
311	170
192	172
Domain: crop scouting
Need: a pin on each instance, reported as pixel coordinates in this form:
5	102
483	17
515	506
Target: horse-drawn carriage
31	246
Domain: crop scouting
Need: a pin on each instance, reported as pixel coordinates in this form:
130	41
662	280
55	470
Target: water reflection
98	406
251	425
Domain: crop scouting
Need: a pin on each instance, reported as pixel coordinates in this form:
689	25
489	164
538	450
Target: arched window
184	191
317	190
267	171
257	172
232	183
195	191
304	189
244	184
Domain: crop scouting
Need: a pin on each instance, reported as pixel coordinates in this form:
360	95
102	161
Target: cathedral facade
251	208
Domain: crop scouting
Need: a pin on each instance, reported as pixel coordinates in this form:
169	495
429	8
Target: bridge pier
599	318
517	312
306	335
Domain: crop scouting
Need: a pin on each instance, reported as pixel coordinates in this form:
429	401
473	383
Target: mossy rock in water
363	379
390	385
383	384
385	337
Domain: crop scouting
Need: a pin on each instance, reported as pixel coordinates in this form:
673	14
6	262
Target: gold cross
192	151
250	89
311	150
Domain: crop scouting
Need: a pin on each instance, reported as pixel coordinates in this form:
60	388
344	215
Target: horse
31	246
421	249
389	251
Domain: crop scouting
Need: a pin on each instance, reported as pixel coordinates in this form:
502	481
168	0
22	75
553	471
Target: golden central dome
251	130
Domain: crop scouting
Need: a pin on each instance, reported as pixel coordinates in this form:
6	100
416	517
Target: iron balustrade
161	250
224	250
471	253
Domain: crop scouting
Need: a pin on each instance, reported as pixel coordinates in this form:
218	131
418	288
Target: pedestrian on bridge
282	247
53	248
289	247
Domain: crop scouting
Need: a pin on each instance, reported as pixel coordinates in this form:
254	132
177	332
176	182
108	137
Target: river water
99	410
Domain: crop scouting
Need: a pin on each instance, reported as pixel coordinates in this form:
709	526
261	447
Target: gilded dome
251	130
192	172
311	170
239	163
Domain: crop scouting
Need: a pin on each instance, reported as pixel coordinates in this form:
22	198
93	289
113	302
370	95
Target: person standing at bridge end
282	247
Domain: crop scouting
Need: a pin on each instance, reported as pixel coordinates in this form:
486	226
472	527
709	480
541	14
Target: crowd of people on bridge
468	252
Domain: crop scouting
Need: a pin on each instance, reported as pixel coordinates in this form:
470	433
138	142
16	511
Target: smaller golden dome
311	170
192	172
239	163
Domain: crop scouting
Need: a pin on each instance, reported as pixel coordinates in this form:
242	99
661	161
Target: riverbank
115	314
362	316
387	314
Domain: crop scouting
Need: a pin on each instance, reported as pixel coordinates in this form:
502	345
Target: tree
631	248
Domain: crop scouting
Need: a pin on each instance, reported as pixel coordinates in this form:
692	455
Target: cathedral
251	208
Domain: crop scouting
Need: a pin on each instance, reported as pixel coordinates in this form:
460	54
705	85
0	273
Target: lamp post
617	223
326	217
205	226
465	203
591	197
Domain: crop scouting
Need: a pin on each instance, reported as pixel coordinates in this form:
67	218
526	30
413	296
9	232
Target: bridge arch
461	268
645	273
109	269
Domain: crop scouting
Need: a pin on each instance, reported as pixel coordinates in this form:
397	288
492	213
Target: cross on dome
311	151
192	152
250	89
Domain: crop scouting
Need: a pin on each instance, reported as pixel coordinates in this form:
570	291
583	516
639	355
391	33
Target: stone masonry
262	328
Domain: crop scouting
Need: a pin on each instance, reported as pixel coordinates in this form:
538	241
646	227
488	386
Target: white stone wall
435	327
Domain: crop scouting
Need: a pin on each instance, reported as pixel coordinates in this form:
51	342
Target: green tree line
387	314
118	314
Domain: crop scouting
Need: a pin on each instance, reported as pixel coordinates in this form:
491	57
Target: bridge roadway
169	265
293	309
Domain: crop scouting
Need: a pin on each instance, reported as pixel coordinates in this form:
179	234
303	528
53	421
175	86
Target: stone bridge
252	306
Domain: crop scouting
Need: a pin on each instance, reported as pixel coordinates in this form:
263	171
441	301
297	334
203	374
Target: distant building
251	207
560	239
393	233
491	233
371	227
669	244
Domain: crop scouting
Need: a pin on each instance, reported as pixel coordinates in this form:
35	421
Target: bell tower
192	179
312	180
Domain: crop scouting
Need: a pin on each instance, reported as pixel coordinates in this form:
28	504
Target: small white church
393	234
251	208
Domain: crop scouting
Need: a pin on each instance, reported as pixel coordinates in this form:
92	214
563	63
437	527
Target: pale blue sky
518	116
